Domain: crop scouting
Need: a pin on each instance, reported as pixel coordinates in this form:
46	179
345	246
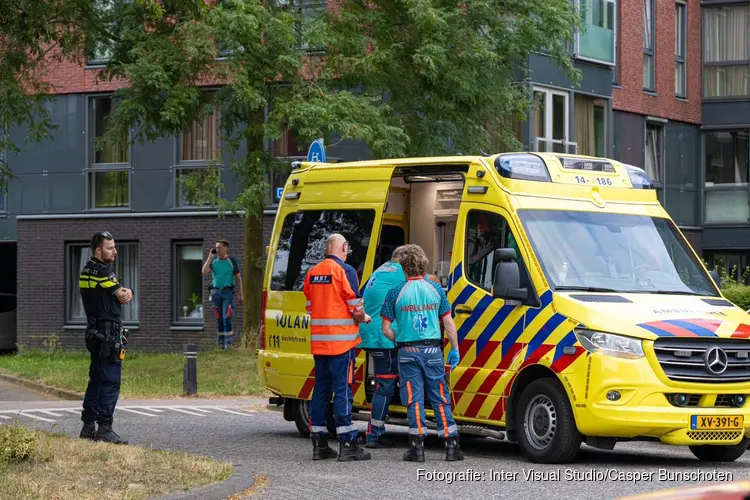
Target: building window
188	283
126	270
590	130
310	11
680	47
655	152
725	51
597	41
182	200
100	47
3	201
108	176
649	53
201	141
551	121
726	190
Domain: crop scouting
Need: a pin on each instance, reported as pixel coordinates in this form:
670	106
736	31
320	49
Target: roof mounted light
522	166
638	177
587	164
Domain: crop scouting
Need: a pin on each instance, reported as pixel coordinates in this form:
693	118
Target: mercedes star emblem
716	360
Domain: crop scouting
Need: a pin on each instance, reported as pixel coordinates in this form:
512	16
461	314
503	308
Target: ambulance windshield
614	252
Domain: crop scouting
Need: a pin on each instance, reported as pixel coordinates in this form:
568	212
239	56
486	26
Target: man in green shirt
226	279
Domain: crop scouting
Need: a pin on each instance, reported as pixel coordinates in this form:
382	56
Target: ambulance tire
555	439
302	418
720	453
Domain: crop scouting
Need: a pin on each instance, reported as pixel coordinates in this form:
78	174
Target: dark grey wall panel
159	154
65	150
8	228
726	238
152	190
682	174
64	193
31	190
595	79
629	140
726	113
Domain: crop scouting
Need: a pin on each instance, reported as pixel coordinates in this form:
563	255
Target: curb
38	386
241	480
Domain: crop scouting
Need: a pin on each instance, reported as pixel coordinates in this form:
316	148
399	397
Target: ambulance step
473	430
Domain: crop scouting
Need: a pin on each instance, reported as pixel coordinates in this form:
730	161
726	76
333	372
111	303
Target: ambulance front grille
714	435
684	360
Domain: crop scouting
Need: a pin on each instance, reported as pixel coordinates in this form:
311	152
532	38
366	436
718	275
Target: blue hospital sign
317	152
279	193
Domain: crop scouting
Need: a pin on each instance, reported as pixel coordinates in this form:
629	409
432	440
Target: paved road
246	432
13	392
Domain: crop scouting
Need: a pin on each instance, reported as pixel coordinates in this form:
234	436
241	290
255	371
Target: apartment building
665	86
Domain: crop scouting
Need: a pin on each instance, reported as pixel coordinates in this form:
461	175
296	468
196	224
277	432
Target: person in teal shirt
225	280
417	307
382	351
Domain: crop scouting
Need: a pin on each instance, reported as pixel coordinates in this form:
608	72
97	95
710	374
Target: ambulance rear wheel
302	418
547	431
720	453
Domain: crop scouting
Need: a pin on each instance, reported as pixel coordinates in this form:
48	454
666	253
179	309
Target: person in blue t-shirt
226	280
417	307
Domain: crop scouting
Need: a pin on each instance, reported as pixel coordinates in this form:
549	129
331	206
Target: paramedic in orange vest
335	311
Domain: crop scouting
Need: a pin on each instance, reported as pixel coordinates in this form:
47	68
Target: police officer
417	308
335	313
102	296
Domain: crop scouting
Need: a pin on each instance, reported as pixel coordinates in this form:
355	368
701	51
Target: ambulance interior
423	210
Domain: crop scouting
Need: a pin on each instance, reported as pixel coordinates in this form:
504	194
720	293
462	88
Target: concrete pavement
12	392
258	439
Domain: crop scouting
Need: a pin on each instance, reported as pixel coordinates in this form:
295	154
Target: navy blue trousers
103	390
333	374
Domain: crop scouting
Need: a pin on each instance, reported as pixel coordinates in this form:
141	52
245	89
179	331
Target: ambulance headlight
610	344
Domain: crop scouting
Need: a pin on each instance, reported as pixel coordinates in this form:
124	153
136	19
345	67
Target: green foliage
735	291
739	295
17	443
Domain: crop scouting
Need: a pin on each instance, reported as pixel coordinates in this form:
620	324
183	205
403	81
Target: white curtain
126	269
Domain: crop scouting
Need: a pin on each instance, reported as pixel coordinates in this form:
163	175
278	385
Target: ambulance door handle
463	309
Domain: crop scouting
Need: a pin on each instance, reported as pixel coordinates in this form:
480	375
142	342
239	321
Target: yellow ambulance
583	314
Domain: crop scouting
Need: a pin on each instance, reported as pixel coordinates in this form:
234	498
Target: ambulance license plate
714	422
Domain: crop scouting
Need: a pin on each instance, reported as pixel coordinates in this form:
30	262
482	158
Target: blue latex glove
453	358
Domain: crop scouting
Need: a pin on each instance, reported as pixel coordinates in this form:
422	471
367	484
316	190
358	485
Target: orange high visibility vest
330	304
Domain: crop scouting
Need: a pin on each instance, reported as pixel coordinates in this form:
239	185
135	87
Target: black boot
321	450
106	434
415	453
381	442
352	450
452	450
88	431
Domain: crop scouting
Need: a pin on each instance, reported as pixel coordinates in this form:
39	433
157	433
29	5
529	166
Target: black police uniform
105	340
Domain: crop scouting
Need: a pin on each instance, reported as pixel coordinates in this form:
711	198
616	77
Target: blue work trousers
333	376
385	362
103	389
422	369
223	303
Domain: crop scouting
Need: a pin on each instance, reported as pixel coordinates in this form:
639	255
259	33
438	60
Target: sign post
317	152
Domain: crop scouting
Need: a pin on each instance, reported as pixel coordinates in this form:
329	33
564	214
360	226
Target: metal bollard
190	375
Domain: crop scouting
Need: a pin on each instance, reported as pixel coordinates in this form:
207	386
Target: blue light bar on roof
638	177
522	166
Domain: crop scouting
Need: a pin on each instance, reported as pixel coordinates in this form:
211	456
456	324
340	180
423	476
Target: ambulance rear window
302	243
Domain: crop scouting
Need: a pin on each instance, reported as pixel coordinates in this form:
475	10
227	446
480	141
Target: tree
407	77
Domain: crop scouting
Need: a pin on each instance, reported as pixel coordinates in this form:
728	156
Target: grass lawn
65	468
220	373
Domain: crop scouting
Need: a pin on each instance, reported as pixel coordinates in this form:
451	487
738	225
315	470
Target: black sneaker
88	431
106	434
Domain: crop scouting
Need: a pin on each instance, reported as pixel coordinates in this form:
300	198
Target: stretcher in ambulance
583	314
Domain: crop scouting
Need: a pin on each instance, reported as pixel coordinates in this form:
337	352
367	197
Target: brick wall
664	104
42	287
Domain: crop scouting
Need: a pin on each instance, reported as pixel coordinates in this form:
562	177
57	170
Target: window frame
176	199
659	183
720	66
650	52
71	282
716	187
681	9
506	230
204	162
549	93
577	39
176	259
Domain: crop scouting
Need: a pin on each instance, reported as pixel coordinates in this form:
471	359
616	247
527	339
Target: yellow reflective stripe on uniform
86	284
108	284
94	278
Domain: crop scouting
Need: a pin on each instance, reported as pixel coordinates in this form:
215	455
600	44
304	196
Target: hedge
738	294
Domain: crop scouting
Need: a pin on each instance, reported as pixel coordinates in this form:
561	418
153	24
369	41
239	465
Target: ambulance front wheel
302	418
547	430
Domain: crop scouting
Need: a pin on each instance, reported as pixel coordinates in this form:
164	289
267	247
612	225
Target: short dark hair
98	239
223	242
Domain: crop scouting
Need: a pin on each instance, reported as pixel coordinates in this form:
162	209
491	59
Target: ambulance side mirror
507	280
717	279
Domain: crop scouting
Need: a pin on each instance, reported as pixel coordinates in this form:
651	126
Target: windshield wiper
588	289
672	292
